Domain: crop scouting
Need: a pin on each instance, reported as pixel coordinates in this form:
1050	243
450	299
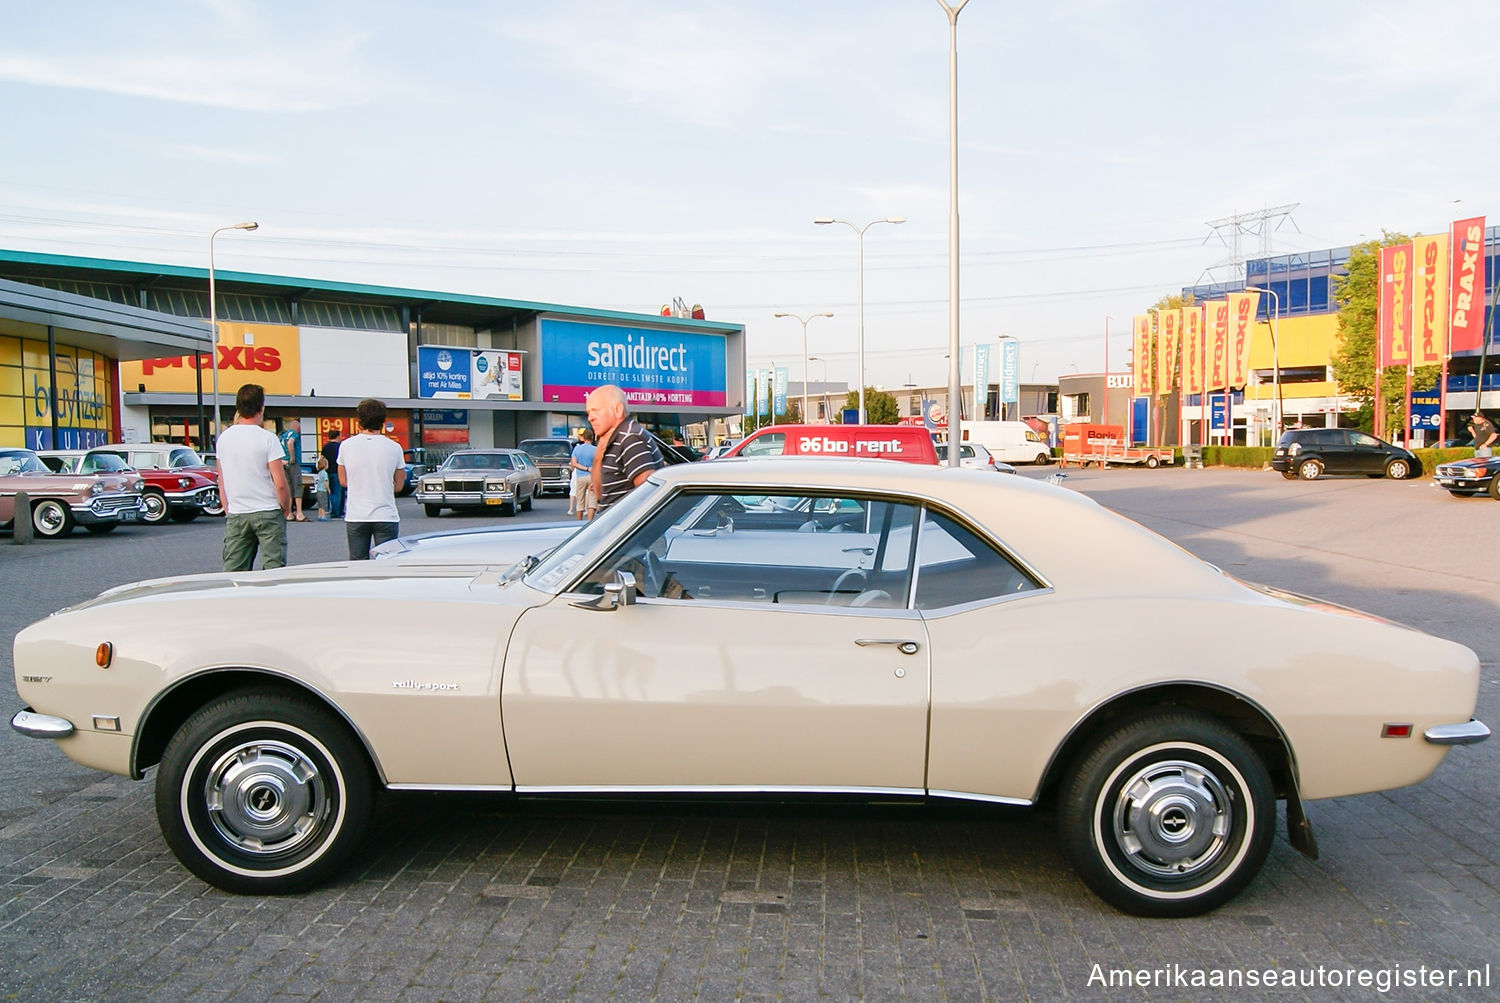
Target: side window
771	444
955	565
799	549
1364	441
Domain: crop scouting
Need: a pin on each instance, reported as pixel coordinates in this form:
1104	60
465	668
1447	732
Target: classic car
476	478
97	502
169	456
1474	476
415	462
552	457
775	627
179	494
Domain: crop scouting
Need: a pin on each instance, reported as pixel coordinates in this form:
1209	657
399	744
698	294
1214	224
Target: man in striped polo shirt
625	455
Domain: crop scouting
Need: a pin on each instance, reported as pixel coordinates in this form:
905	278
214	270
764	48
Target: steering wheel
655	576
853	575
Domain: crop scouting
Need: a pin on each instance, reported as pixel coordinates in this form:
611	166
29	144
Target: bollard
21	529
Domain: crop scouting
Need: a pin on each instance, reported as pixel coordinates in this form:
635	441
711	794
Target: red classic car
98	502
181	495
144	456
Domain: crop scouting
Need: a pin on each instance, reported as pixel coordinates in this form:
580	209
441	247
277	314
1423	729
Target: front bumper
465	498
1468	733
33	725
198	498
107	508
1463	478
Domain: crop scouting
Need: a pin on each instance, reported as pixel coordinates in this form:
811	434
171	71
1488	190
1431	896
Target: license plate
128	515
494	501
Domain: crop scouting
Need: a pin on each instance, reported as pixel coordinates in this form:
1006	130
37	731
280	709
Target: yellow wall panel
10	351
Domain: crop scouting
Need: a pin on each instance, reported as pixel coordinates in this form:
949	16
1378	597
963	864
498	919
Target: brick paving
469	898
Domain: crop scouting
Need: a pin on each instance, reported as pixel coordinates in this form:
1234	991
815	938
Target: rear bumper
1467	733
33	725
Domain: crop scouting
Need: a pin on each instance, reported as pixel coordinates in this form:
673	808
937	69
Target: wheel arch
167	712
1242	715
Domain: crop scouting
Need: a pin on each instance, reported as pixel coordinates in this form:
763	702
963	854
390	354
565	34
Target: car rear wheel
153	508
1494	489
1398	470
1152	463
1309	470
433	511
263	793
1168	815
51	518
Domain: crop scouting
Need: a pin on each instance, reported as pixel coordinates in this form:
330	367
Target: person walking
581	488
625	454
371	469
330	452
291	443
252	486
320	489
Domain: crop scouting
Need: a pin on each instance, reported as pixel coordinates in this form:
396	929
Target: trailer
1103	445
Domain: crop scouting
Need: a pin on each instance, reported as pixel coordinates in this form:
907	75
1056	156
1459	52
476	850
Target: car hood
1484	463
489	545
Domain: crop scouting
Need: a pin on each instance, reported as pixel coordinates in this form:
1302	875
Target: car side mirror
620	591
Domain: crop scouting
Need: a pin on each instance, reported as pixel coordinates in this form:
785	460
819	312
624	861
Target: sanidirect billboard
445	373
653	366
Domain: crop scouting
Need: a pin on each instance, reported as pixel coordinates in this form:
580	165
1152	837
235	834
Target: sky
616	155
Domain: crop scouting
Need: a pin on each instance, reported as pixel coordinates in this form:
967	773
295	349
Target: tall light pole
804	322
954	387
1276	414
213	319
859	232
824	382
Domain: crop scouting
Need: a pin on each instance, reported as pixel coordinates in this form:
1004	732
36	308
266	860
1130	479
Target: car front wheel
1398	470
212	505
263	793
153	508
1309	470
1494	489
1169	815
433	511
51	518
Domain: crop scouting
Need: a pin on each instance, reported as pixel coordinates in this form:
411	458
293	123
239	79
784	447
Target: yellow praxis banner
1192	350
1141	361
1429	343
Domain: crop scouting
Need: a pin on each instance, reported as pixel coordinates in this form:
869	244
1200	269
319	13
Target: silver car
481	478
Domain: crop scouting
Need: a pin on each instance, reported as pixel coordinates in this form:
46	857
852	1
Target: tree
880	407
793	416
1358	297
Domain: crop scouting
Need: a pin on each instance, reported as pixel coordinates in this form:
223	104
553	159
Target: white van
1008	441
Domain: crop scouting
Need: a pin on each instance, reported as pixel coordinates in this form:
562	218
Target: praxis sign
655	367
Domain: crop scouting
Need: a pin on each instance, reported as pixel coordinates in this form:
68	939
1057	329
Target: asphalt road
471	898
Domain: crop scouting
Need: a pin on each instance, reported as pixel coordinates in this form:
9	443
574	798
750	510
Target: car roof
1078	542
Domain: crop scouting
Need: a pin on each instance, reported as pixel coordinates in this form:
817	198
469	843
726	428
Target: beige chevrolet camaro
762	626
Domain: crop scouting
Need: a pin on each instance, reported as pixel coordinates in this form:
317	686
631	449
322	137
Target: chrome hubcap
48	517
153	507
265	798
1172	819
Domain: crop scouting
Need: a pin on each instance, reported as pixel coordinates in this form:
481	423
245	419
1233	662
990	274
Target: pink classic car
98	502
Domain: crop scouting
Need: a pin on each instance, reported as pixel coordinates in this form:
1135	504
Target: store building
454	370
59	363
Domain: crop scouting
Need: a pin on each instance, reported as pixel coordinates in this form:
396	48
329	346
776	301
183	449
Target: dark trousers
364	535
335	496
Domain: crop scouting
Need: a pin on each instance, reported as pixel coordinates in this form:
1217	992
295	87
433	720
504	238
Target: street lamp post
1276	410
954	388
859	232
804	322
213	319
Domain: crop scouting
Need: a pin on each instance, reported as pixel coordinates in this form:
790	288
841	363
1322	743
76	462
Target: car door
1332	446
1368	452
778	658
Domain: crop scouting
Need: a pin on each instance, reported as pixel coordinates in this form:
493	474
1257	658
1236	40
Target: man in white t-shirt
372	470
252	486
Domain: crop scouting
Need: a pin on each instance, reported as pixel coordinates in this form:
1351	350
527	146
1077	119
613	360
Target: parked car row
59	501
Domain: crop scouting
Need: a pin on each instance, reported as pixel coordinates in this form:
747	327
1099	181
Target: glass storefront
85	401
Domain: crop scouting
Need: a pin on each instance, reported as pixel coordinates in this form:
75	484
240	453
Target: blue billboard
653	366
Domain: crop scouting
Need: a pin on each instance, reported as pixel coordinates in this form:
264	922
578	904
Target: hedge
1237	456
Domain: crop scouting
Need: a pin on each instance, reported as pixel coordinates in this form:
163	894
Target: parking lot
463	897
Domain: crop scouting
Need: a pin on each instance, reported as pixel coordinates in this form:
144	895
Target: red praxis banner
1241	326
1140	355
1168	326
1429	342
1216	343
1466	285
1192	350
1395	305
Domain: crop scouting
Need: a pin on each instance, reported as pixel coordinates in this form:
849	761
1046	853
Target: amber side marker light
104	654
1396	731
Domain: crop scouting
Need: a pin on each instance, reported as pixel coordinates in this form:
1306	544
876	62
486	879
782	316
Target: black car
1471	477
1311	452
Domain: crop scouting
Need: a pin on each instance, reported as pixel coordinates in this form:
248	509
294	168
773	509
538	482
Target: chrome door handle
906	647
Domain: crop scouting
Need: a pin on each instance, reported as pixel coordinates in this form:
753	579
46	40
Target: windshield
558	566
477	461
95	463
185	457
21	461
548	449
